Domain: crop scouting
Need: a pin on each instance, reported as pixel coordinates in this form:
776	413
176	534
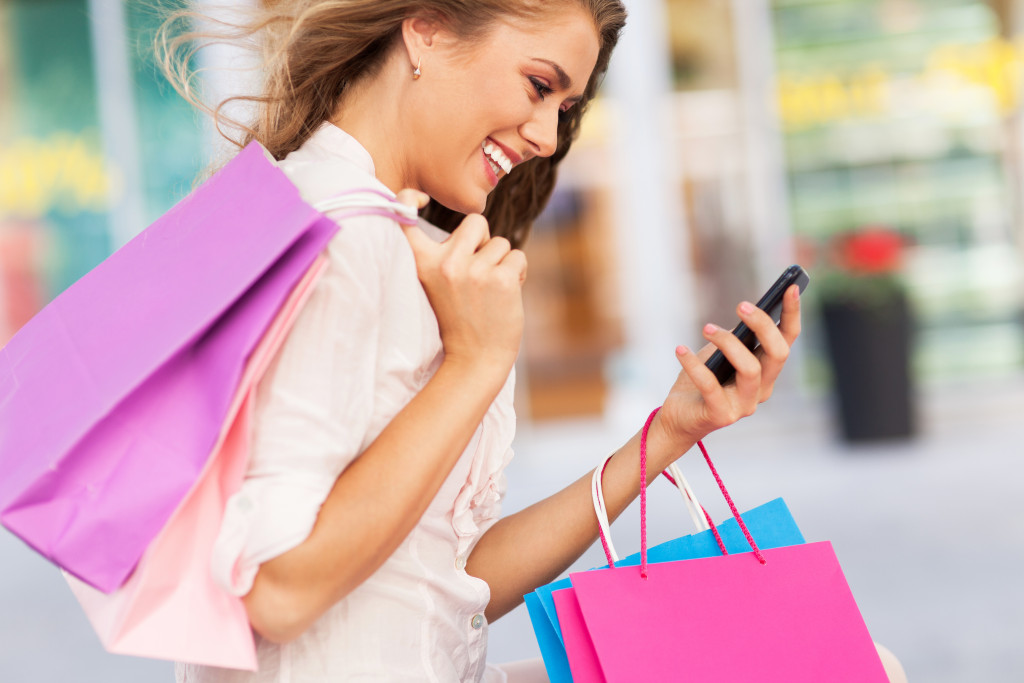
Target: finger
773	351
774	346
420	243
494	250
789	323
423	247
472	233
748	368
413	198
706	352
515	262
702	378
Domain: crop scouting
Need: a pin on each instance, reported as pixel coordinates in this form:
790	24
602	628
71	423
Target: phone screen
771	303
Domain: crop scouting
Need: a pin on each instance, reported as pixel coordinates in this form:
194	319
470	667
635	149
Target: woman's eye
543	90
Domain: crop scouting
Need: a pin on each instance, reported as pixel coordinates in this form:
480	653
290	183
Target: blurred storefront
92	145
732	138
791	126
905	114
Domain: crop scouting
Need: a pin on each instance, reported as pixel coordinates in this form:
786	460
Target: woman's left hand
697	404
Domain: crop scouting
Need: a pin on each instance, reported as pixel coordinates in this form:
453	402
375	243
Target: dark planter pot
869	348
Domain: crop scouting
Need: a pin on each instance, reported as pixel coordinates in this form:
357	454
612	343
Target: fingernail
746	307
711	328
682	350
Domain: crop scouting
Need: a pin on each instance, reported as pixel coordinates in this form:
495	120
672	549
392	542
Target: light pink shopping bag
112	397
170	607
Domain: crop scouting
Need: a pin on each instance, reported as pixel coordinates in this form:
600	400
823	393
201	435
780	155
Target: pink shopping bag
113	396
783	614
170	607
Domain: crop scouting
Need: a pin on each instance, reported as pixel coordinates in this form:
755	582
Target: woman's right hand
474	284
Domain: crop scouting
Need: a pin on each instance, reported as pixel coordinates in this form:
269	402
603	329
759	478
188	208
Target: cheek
498	105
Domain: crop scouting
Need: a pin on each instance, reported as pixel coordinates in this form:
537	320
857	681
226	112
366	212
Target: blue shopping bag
771	525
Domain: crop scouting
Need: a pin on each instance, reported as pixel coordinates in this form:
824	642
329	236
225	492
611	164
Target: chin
465	204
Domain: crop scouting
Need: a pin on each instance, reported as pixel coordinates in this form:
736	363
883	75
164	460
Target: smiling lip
512	156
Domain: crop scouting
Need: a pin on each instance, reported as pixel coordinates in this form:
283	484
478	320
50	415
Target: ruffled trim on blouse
478	505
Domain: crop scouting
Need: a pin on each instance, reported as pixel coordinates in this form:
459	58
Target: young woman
366	539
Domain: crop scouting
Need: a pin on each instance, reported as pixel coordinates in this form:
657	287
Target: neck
370	111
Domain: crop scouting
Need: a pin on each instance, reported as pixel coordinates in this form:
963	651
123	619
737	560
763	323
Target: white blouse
364	345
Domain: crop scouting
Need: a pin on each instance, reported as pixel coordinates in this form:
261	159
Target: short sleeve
313	407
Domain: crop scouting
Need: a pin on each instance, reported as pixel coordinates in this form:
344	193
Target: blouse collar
337	142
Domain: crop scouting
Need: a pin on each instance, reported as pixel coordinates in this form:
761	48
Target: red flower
871	251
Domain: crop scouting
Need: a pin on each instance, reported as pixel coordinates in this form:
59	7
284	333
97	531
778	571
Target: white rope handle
597	494
690	498
366	201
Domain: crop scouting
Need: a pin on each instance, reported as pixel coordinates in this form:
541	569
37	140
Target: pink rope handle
604	540
714	529
732	506
352	213
643	492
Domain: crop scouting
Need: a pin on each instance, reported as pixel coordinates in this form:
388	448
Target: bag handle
643	500
701	519
367	202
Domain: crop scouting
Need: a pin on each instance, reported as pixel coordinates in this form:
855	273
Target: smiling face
479	111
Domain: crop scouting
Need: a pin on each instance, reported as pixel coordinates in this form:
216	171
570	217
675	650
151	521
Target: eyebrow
564	82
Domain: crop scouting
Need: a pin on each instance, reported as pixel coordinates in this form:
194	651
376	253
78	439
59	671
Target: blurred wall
60	186
755	137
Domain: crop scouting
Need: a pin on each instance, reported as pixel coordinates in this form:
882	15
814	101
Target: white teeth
497	156
494	166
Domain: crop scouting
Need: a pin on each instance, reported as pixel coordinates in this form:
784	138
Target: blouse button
460	563
478	621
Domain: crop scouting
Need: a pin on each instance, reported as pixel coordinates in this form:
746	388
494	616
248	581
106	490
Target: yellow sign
64	172
995	66
811	100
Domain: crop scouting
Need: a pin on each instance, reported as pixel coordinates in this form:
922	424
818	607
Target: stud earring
416	72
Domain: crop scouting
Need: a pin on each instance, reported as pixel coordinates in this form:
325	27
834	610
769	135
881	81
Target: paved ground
930	534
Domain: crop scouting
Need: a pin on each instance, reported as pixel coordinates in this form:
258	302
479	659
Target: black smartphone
771	303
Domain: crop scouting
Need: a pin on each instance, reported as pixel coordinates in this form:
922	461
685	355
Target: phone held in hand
771	303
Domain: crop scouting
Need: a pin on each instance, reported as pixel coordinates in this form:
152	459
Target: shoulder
321	172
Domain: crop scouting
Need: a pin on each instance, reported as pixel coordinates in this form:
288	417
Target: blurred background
880	143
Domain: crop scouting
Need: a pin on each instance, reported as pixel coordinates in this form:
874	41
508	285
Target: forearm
374	503
532	547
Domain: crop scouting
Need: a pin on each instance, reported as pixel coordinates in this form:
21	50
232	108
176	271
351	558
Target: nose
541	131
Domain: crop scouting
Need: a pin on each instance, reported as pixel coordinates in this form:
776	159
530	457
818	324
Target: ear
419	35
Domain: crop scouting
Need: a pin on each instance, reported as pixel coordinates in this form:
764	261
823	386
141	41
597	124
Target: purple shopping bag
113	396
781	615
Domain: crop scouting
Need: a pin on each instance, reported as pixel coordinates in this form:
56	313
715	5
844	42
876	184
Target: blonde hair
312	48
